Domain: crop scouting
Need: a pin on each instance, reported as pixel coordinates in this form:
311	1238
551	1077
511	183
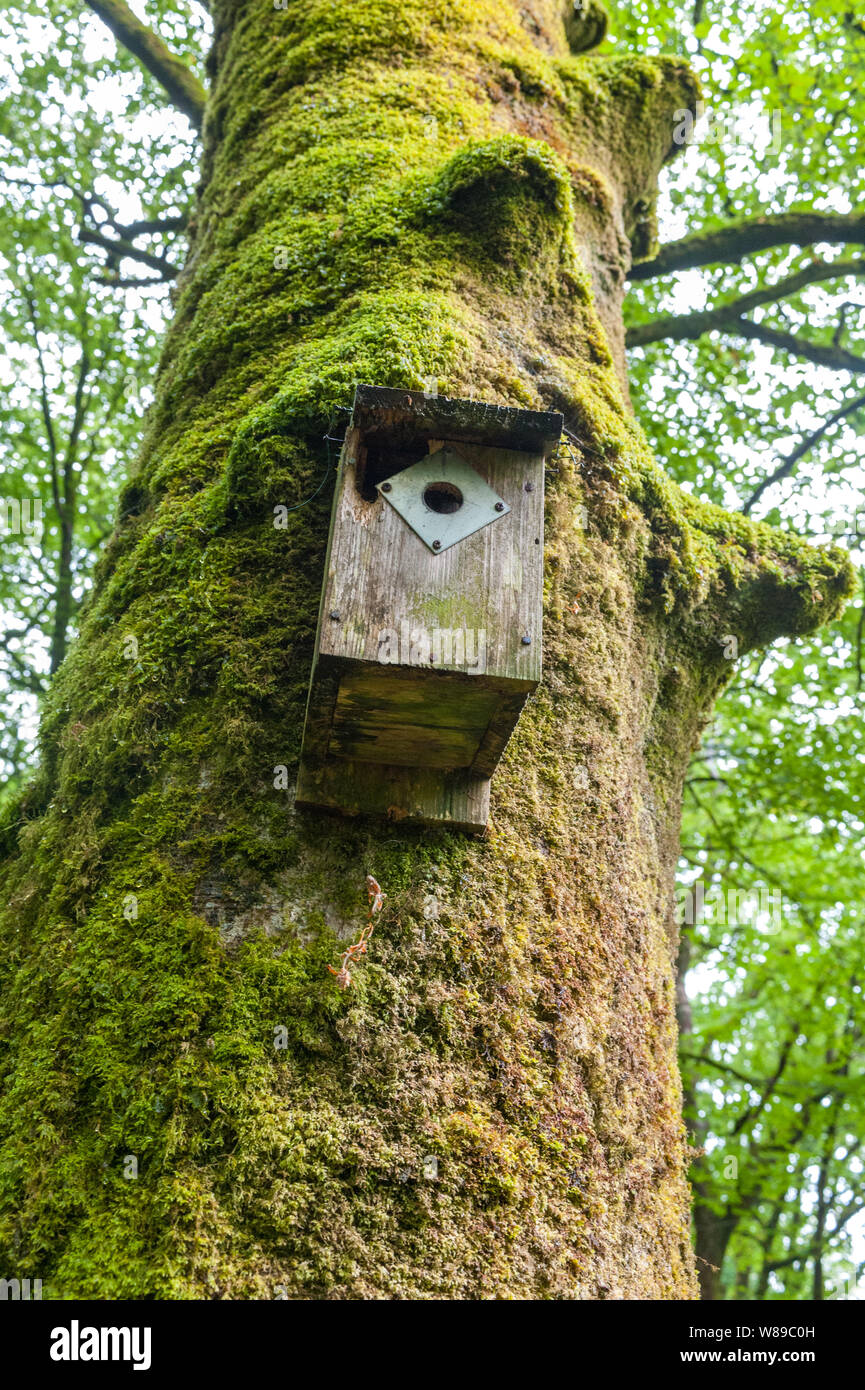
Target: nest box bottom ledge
458	800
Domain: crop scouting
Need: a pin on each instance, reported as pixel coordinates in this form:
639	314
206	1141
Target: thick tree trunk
713	1229
712	1233
403	194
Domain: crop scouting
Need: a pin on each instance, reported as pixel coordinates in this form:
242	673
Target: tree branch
787	464
123	250
148	226
679	327
860	634
835	358
130	230
729	244
181	84
45	402
134	282
27	678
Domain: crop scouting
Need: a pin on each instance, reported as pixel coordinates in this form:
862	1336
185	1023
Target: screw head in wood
530	487
336	617
526	640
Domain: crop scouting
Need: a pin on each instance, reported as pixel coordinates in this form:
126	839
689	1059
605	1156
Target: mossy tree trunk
430	192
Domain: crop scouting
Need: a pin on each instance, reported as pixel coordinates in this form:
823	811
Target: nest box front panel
390	592
429	637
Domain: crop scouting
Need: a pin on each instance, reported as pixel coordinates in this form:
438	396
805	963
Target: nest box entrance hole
382	455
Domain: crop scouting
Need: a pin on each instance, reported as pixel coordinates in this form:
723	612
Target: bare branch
46	405
729	244
679	327
181	84
118	246
134	282
24	675
836	359
787	464
130	230
124	250
79	412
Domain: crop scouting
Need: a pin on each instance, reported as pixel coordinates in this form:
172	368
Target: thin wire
328	439
312	496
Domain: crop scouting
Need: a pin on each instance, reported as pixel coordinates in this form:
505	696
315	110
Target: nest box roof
405	414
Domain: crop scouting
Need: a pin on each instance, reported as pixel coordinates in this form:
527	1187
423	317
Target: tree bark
406	194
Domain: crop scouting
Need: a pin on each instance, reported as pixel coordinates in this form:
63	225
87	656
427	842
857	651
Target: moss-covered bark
400	193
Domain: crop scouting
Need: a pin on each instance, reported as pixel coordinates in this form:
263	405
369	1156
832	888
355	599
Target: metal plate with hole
443	499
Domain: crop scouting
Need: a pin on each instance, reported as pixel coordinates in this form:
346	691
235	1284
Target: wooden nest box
429	634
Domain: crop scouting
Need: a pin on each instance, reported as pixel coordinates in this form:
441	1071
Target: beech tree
442	196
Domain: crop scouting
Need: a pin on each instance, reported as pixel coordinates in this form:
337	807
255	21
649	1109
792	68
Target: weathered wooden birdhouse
429	634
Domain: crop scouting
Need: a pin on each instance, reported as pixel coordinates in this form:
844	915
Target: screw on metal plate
443	499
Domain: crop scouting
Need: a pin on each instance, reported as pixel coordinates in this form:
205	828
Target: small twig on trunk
376	901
